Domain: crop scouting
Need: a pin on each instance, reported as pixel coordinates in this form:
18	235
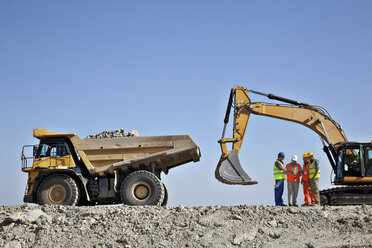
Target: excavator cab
354	163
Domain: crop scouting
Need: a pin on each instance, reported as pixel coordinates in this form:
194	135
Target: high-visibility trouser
309	197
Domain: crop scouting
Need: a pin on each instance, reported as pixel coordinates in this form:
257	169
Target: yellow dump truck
64	169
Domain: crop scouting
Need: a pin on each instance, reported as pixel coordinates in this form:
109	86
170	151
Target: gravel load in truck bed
149	226
114	134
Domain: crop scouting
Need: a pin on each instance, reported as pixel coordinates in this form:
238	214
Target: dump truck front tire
58	189
142	188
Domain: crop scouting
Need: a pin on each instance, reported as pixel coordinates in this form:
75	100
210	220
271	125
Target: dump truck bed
133	153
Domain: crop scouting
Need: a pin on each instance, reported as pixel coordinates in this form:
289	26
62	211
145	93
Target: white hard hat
294	157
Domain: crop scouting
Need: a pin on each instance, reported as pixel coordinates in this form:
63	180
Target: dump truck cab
54	152
64	169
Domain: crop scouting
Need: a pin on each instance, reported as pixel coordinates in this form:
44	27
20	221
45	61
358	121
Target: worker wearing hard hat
293	180
279	176
314	175
308	196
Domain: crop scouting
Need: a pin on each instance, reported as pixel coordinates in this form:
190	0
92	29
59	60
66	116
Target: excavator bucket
230	171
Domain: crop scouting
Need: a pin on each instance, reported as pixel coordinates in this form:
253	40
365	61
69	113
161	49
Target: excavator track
347	195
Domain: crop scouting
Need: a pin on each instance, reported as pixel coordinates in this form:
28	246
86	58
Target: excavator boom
229	169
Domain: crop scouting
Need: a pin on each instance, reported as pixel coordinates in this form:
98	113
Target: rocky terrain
237	226
113	134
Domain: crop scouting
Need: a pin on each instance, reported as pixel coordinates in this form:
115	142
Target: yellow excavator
351	161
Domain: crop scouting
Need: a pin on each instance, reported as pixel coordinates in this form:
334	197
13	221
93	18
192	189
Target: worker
279	176
314	175
293	180
308	196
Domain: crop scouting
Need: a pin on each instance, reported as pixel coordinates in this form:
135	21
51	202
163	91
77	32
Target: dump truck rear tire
58	189
142	188
165	201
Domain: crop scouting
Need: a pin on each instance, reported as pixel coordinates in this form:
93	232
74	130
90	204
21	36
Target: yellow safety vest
312	170
278	174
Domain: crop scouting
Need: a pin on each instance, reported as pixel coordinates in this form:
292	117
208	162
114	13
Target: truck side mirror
34	151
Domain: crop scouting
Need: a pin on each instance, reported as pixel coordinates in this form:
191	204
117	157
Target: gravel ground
237	226
113	134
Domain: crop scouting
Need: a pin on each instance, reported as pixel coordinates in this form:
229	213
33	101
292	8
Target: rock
281	221
13	244
217	224
237	240
25	218
113	134
236	217
274	234
133	133
342	221
180	224
240	238
310	245
272	223
292	210
180	208
324	214
205	222
357	223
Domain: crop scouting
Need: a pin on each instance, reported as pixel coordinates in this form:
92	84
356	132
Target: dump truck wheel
58	189
142	188
165	201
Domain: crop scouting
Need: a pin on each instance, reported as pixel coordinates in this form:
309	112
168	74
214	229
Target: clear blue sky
166	67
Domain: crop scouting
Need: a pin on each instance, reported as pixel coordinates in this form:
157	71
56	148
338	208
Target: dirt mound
237	226
113	134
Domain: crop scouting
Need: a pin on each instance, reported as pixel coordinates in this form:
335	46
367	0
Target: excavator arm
316	118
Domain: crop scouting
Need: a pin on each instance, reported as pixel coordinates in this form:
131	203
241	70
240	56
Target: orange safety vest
296	169
306	171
